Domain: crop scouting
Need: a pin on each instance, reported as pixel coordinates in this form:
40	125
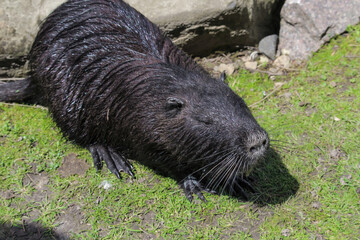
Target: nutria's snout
257	145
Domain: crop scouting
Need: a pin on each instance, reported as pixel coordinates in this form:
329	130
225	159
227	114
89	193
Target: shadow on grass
272	181
31	231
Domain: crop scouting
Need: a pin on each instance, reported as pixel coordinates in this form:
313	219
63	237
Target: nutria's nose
258	144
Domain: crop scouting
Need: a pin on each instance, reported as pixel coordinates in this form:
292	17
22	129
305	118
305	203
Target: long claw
200	195
189	196
97	161
121	163
115	162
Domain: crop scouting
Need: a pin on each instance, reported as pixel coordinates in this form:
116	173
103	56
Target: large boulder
19	21
199	27
307	24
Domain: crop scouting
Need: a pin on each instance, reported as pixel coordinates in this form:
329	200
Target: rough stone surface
19	21
18	27
228	68
264	59
307	24
268	45
251	65
199	27
282	61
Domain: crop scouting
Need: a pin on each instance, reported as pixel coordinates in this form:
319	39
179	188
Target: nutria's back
116	85
86	49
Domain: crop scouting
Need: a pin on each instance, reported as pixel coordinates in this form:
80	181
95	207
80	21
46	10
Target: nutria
117	86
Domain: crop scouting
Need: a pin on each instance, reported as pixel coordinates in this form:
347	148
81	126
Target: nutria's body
117	86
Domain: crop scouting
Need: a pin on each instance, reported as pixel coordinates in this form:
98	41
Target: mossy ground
308	187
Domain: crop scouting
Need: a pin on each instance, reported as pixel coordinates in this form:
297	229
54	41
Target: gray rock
199	27
307	24
268	45
19	21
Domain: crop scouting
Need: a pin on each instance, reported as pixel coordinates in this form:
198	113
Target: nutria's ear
223	77
174	103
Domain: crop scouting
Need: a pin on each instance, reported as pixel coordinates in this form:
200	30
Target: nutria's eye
174	103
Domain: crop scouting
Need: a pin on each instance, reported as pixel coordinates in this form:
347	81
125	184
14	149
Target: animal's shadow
28	231
272	181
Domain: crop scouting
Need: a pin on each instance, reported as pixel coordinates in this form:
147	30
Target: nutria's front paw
191	186
114	161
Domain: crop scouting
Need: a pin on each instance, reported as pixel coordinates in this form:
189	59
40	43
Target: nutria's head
207	129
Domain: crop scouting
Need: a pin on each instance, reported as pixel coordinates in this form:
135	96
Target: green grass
308	187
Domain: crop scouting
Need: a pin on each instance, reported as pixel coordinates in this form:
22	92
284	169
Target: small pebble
335	118
228	68
264	59
282	62
106	185
251	65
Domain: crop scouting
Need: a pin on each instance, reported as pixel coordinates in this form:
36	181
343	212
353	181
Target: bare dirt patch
72	165
71	221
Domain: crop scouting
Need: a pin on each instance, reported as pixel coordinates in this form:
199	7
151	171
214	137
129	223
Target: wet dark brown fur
117	86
